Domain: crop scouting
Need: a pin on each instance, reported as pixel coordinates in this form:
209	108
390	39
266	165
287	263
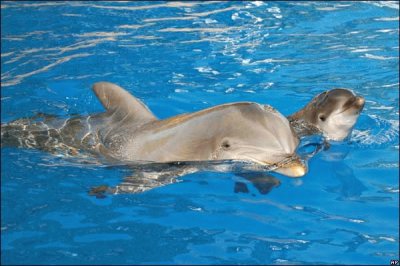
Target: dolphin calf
129	132
332	113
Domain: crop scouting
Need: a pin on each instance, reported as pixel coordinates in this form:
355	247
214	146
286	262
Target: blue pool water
182	57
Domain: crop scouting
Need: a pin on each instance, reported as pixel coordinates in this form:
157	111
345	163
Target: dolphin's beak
360	101
296	168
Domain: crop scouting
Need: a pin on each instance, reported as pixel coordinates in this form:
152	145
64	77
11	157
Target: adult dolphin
129	132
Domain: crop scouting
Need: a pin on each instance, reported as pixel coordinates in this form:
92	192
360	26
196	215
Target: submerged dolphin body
129	132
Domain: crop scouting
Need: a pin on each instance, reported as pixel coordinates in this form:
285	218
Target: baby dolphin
332	112
129	132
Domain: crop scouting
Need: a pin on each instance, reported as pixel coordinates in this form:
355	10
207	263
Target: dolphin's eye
322	118
226	144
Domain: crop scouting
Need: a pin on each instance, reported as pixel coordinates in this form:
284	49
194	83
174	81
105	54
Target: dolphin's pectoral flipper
121	104
263	182
142	181
240	187
133	185
100	191
130	185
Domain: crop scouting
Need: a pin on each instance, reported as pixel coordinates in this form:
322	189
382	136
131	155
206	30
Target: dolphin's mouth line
352	105
274	166
266	165
358	109
344	110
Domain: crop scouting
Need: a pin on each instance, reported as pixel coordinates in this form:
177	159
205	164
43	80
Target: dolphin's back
17	134
49	133
109	129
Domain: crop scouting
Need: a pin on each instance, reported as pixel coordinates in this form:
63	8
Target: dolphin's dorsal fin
121	104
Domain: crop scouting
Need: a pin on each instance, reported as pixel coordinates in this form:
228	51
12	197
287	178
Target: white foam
387	19
378	57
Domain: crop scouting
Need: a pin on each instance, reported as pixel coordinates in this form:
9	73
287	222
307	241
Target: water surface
182	57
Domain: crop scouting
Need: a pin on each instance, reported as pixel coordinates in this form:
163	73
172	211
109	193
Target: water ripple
378	57
380	132
225	29
18	78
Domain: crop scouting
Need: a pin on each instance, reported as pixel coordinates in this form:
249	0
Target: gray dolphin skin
333	113
128	131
